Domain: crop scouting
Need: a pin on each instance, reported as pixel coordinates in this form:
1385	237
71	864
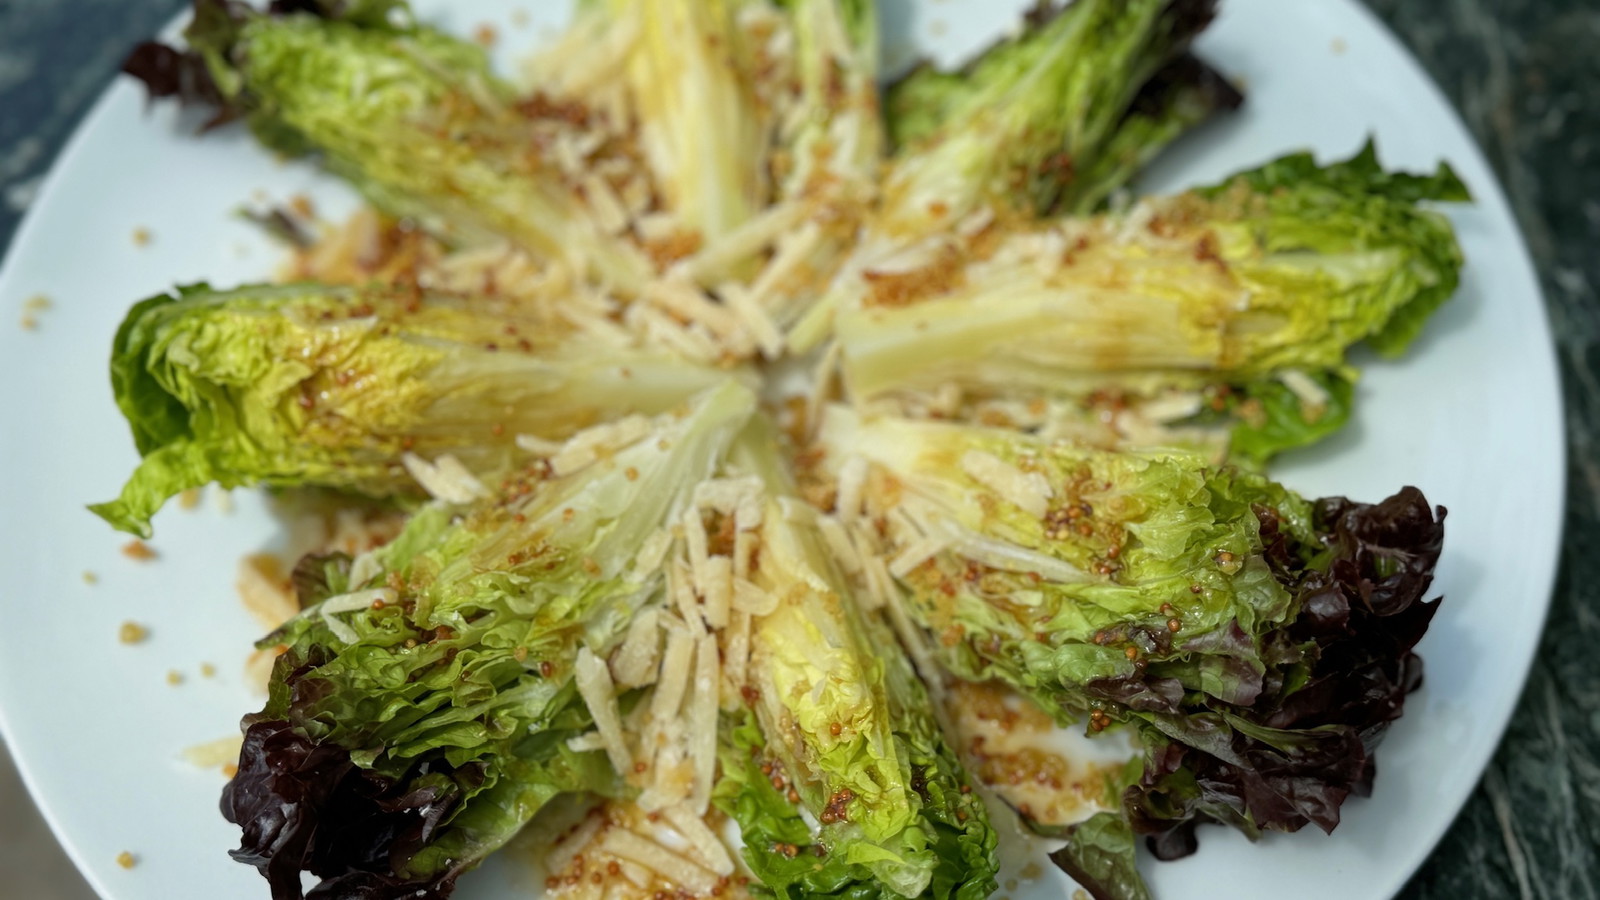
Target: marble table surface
1526	76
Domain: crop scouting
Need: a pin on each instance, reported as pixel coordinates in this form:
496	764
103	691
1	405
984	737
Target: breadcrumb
207	670
141	236
189	499
34	305
174	677
90	577
139	550
132	633
127	860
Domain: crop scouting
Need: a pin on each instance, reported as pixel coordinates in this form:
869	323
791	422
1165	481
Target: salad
758	440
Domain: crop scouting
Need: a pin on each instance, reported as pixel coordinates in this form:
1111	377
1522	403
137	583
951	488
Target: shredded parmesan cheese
916	553
445	478
852	478
820	390
587	447
1313	398
599	694
355	600
538	446
703	708
1030	491
653	551
586	742
673	679
565	850
635	662
706	845
755	319
697	542
735	657
680	581
839	545
674	868
717	589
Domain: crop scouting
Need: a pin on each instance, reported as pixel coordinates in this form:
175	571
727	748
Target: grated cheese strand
673	679
600	695
637	659
717	591
444	479
658	859
703	709
705	843
1029	491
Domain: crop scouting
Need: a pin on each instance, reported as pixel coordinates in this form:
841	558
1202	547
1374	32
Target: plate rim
1489	195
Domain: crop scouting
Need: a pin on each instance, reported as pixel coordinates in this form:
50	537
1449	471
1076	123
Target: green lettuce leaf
1028	117
411	116
1128	91
1268	277
835	713
298	385
414	725
1357	203
1100	856
1281	420
1259	644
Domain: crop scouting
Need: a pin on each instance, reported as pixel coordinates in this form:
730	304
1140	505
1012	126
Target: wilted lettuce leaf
1336	677
1259	644
411	116
1100	856
1270	276
1357	203
1129	89
834	704
416	726
1279	419
1027	120
317	385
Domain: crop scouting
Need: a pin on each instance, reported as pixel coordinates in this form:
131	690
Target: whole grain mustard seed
132	633
127	860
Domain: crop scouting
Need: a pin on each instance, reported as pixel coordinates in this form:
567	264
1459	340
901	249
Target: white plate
1471	416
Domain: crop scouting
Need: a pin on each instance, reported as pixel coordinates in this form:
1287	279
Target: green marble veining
1525	75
